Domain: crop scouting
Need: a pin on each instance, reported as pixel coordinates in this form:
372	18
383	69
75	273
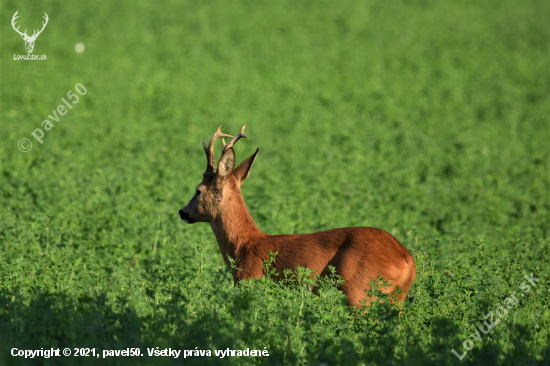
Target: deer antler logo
29	41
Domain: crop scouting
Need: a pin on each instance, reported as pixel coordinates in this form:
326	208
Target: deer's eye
198	193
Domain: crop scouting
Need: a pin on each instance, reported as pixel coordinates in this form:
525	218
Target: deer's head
29	41
218	186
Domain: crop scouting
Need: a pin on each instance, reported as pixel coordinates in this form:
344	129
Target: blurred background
428	119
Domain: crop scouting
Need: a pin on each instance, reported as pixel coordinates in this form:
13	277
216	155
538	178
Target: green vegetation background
428	119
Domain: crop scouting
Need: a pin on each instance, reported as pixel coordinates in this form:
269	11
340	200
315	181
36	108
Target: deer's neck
234	228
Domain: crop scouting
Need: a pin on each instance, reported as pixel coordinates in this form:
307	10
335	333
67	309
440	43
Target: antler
34	34
211	159
13	24
235	139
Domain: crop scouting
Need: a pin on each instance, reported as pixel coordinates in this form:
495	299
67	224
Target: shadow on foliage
55	321
59	321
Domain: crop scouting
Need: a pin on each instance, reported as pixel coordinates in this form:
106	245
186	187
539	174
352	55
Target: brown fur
359	254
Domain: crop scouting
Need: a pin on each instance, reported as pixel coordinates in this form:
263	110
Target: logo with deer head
29	40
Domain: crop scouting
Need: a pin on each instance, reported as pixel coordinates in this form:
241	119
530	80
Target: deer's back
349	249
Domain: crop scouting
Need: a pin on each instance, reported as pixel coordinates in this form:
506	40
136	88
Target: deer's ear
243	170
227	163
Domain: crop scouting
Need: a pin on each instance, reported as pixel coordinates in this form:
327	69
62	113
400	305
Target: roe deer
358	254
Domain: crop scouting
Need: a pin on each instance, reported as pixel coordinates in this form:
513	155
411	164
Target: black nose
183	215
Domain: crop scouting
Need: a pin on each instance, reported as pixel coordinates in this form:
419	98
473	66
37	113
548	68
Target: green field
428	119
